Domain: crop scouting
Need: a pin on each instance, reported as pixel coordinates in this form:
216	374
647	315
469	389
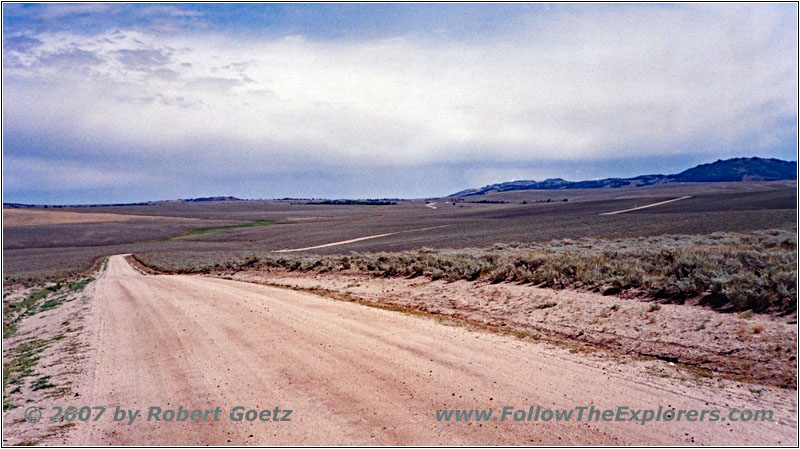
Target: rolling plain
367	318
211	232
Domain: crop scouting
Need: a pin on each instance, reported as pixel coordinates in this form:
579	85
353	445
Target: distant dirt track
352	374
345	242
645	206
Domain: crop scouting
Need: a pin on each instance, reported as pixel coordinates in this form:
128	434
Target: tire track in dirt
645	206
369	237
352	374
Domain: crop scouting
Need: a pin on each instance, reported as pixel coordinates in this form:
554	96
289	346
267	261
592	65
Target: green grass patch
216	230
78	286
546	305
50	304
41	383
14	312
19	364
43	293
9	329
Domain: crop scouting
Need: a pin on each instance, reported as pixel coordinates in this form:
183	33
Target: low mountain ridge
740	169
730	170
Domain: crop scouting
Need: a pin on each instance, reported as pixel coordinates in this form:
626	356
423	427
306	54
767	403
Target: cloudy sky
122	102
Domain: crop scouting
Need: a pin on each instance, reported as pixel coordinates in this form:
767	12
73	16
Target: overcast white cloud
575	84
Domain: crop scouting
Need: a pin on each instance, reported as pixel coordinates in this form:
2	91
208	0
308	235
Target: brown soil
749	347
360	375
64	341
27	217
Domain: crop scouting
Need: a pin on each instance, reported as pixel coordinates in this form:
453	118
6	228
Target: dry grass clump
728	271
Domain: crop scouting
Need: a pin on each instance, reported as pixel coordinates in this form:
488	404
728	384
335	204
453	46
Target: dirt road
360	239
353	374
646	206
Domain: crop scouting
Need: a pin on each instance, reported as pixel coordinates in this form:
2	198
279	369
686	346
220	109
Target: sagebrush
729	271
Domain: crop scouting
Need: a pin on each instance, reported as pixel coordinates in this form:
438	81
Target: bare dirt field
359	375
28	217
382	314
49	251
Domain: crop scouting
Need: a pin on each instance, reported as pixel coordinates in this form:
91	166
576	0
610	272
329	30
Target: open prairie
27	217
679	296
212	232
400	224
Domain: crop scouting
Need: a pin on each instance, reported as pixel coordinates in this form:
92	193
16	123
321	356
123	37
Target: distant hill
730	170
740	169
211	198
141	203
